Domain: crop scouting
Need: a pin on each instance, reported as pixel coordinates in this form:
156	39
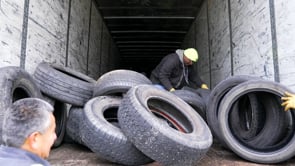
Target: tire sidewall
245	152
155	138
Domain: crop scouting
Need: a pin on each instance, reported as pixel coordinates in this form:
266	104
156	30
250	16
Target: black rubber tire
75	118
247	117
279	151
204	93
105	139
118	82
266	118
156	138
64	84
194	100
215	98
15	84
60	113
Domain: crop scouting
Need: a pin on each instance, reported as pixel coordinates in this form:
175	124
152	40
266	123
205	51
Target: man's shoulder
10	156
173	54
172	57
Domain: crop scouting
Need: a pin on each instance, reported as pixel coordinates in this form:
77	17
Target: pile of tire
129	121
245	115
121	117
124	119
62	87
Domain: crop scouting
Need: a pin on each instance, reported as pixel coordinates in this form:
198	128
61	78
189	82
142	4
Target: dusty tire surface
194	100
245	117
205	94
216	97
275	119
118	81
282	148
183	141
104	138
75	119
64	84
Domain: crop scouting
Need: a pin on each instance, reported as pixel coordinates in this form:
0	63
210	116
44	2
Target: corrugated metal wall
245	37
69	32
232	37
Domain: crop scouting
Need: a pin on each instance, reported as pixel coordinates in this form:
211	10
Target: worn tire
74	121
64	84
194	100
278	151
247	117
215	98
105	139
154	136
205	94
15	84
60	114
118	82
265	120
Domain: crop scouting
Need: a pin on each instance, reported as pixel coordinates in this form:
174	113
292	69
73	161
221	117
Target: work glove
288	101
171	90
204	86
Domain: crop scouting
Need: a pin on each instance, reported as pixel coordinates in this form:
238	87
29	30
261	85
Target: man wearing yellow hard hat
175	71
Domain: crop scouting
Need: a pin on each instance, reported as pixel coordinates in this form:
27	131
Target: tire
279	151
265	119
60	114
105	139
118	82
75	118
15	84
204	93
64	84
215	98
246	117
178	137
194	100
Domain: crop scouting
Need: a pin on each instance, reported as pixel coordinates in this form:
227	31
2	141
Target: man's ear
32	140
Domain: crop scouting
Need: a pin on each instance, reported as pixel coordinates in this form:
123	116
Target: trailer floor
74	154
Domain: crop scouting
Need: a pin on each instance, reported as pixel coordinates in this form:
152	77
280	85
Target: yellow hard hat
191	54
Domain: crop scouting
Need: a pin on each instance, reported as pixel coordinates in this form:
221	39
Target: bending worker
175	71
288	101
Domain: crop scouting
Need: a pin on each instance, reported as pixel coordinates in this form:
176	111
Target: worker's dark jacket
169	73
10	156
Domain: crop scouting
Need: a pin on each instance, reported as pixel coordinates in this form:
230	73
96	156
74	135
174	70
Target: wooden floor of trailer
74	154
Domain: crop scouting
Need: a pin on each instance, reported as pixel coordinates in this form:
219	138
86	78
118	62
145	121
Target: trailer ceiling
146	30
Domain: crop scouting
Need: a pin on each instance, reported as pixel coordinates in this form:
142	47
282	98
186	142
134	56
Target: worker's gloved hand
288	101
204	86
171	90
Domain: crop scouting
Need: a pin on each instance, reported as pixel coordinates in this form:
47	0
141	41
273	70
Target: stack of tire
245	115
124	119
62	87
